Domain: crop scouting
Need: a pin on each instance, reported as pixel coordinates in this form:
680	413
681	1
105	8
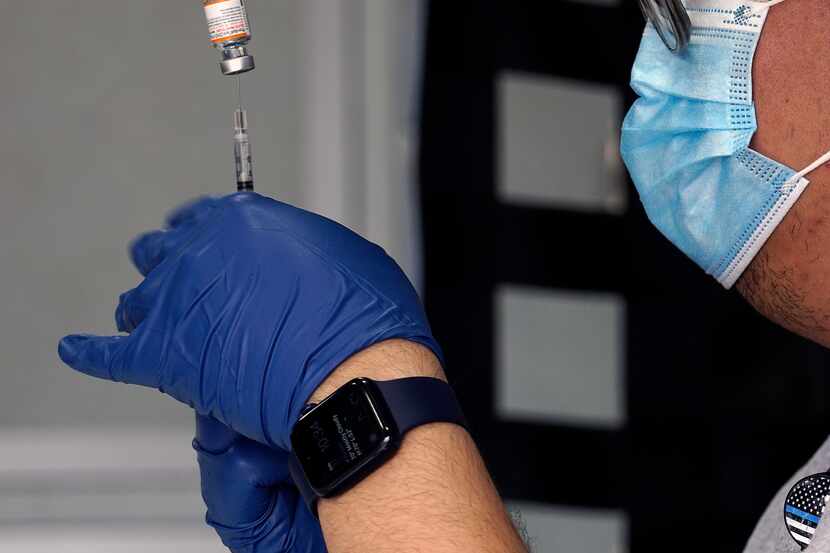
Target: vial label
227	20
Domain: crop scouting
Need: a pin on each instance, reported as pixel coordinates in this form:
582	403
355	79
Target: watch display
345	435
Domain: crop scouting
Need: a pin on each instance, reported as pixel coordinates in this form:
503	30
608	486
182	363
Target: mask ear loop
796	182
812	167
823	159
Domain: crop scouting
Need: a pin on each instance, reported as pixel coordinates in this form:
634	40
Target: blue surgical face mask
686	140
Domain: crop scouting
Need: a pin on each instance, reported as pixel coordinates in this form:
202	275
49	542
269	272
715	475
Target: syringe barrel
242	152
240	121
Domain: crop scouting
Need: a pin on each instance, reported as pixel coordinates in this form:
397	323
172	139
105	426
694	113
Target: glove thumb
106	357
213	436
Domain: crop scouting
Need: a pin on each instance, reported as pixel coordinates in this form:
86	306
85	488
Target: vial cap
235	66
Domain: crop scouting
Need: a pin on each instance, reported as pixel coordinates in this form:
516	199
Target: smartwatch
805	506
341	440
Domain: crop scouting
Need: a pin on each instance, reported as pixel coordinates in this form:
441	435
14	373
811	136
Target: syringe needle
239	91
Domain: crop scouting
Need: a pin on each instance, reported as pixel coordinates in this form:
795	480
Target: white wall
362	84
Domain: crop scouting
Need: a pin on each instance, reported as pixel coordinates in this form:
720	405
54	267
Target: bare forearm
434	495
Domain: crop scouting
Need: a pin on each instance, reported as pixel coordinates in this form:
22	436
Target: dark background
722	406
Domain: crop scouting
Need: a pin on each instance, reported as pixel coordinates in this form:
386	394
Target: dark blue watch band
411	402
419	400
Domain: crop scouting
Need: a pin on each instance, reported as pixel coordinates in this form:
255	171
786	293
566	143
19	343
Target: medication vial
230	32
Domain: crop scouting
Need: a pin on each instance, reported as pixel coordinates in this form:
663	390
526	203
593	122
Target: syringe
242	151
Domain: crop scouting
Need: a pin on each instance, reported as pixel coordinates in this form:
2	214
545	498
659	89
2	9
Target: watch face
346	433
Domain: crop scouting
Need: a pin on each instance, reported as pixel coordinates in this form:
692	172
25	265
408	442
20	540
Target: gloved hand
247	306
252	502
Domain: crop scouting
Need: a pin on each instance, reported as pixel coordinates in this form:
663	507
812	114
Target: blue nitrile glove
247	306
252	503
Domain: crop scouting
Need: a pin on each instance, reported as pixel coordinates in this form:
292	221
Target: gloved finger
246	461
98	356
134	305
130	311
193	210
213	436
239	483
150	249
267	467
285	526
132	359
306	525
